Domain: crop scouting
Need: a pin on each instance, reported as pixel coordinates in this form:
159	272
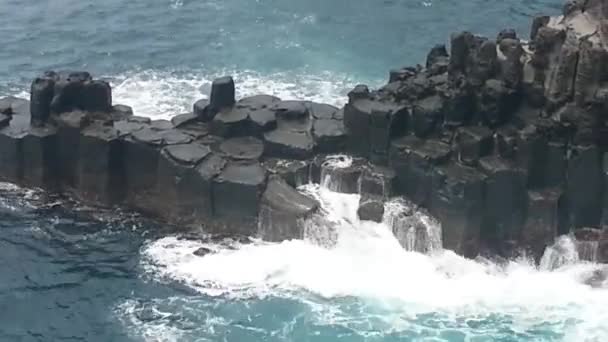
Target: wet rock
283	211
262	120
222	94
258	102
248	180
472	58
294	172
457	203
100	174
371	208
505	197
199	185
126	127
142	150
78	91
120	111
288	144
175	181
200	109
4	120
473	143
414	160
322	111
506	34
402	74
40	157
338	176
161	125
11	154
5	105
370	124
201	252
231	122
175	136
377	181
496	103
537	23
427	115
291	110
42	92
505	142
540	227
244	148
584	186
437	60
183	119
329	135
459	106
511	67
69	126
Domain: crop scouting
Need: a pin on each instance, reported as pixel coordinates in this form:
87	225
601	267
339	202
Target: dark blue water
91	275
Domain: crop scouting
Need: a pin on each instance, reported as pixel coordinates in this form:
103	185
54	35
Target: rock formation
502	140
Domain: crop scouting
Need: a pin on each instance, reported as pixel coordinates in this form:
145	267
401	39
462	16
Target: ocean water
69	273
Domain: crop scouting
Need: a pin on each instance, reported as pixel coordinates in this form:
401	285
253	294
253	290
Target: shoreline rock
504	141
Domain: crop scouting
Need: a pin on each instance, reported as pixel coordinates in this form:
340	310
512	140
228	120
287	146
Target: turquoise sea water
67	277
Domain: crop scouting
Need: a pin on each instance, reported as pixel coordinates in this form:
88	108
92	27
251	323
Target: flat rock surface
188	153
243	148
257	102
282	197
246	173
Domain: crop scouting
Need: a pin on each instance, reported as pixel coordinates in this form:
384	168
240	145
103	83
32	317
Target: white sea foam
367	262
165	94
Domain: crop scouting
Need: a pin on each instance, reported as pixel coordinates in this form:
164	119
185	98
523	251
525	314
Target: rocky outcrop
504	141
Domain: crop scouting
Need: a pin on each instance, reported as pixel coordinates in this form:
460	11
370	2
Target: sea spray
414	229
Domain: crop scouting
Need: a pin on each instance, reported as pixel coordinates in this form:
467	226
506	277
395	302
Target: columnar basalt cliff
503	140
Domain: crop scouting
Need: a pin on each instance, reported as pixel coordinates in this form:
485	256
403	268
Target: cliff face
502	140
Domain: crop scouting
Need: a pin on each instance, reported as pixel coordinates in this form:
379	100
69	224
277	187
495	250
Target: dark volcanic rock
427	115
414	161
322	110
370	124
540	227
100	167
329	135
120	112
176	181
142	151
377	181
288	144
244	148
42	92
199	186
294	172
458	204
40	157
69	126
236	195
291	110
222	94
257	102
473	143
283	211
504	200
337	175
371	208
183	119
231	122
200	109
584	186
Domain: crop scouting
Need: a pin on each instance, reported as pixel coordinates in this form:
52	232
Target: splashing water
366	281
414	229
